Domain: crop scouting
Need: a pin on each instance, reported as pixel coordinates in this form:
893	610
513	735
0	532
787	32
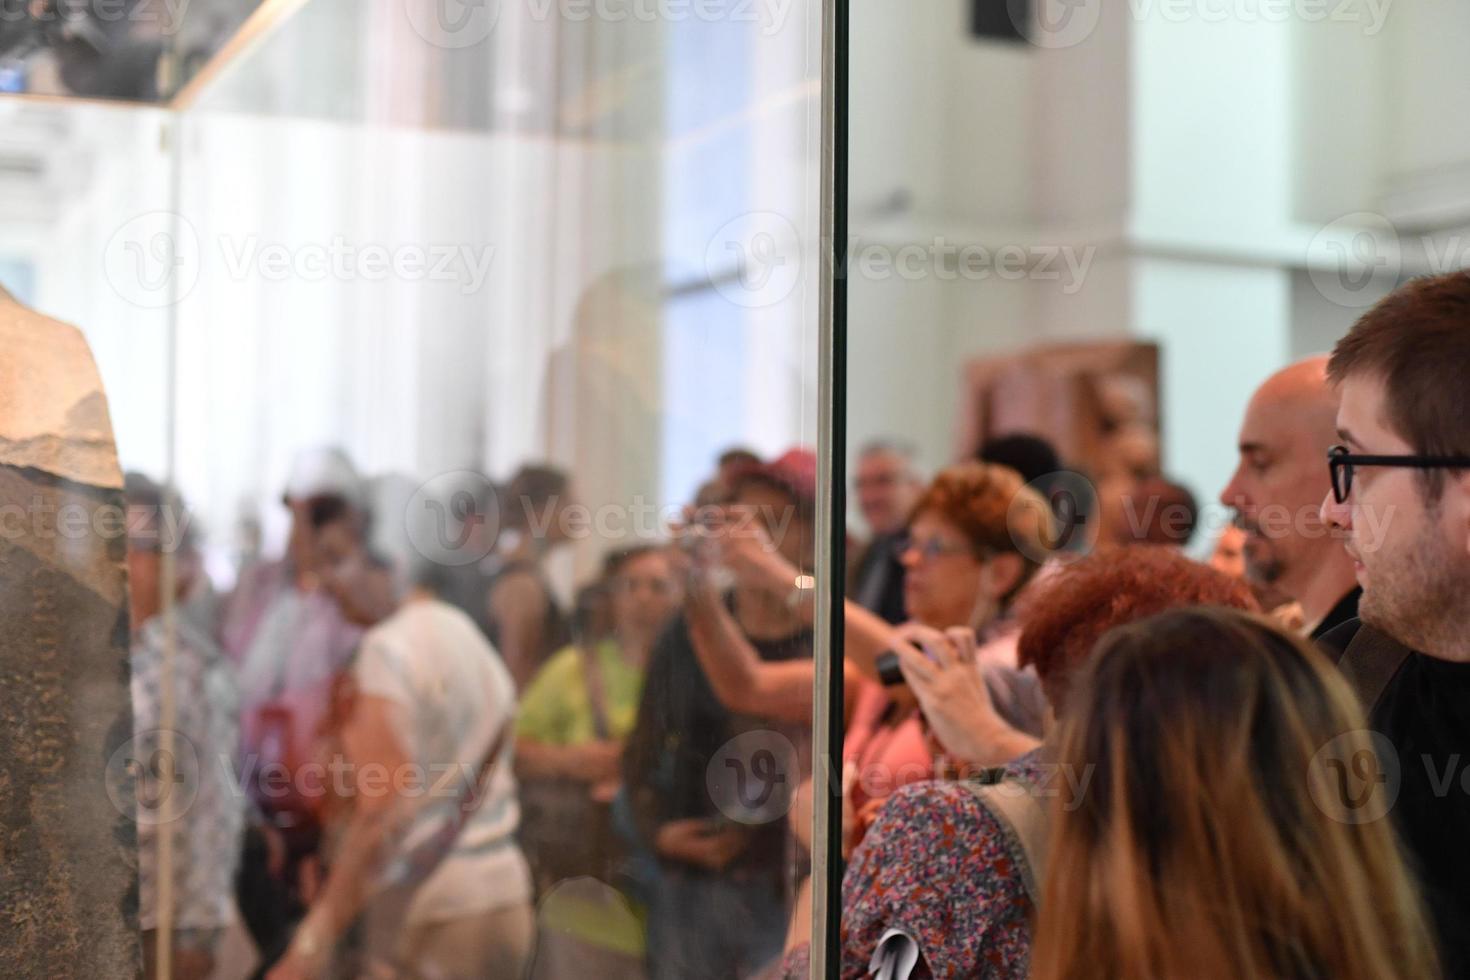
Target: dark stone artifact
68	857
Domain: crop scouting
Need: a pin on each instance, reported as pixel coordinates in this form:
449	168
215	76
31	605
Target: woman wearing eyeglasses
578	711
974	542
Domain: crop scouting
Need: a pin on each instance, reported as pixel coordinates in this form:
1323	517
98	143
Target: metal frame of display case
828	713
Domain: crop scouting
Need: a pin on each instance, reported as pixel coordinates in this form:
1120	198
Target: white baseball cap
324	472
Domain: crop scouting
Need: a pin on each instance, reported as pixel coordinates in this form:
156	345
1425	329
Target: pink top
889	747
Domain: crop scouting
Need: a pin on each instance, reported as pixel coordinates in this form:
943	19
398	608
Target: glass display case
444	347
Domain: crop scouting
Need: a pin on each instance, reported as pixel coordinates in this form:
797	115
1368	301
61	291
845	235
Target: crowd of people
1066	756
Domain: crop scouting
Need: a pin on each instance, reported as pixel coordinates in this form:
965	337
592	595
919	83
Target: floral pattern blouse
939	866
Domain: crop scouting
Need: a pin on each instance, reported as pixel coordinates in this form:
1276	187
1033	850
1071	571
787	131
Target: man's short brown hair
1416	340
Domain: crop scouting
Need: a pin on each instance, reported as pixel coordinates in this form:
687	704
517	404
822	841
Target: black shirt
877	582
1425	712
682	726
1345	611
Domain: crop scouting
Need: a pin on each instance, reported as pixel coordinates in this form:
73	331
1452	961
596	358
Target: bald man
1290	554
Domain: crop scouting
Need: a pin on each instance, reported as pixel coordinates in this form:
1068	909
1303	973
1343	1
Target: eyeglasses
930	549
1341	464
628	586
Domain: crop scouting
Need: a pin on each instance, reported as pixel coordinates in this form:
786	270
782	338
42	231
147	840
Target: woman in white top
428	852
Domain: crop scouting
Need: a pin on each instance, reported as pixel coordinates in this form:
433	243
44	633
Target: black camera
888	669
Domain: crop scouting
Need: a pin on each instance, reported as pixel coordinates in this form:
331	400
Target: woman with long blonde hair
1213	836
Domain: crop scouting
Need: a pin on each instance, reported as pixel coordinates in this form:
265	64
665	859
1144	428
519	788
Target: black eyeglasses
932	548
1341	463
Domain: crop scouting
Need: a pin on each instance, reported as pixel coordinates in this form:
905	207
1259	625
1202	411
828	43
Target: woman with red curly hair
975	537
943	871
974	541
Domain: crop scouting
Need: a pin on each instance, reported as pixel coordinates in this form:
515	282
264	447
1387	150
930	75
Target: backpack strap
596	690
1023	820
1370	663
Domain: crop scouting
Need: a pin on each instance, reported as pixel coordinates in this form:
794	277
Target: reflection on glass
135	50
463	371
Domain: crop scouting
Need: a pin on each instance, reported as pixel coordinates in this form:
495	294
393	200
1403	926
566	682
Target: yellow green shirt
556	710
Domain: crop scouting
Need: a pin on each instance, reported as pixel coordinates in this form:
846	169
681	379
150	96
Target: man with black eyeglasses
1401	494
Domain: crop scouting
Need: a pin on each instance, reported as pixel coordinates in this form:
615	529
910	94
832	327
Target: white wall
1213	166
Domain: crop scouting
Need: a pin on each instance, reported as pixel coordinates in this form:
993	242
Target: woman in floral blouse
938	865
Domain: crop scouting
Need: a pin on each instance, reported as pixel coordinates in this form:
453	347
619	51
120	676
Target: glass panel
463	314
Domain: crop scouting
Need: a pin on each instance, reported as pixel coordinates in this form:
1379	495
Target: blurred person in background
1028	454
462	529
1228	555
979	535
1157	510
424	846
718	907
1290	555
290	642
526	623
782	691
578	711
276	622
887	483
1200	846
732	463
207	822
944	872
1073	498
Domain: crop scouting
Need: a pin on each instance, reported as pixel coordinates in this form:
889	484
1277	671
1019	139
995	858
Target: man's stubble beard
1425	604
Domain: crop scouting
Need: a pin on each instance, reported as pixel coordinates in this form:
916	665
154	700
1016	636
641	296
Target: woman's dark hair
530	492
591	610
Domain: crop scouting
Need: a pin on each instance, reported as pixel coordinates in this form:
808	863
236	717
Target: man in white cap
290	642
276	625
